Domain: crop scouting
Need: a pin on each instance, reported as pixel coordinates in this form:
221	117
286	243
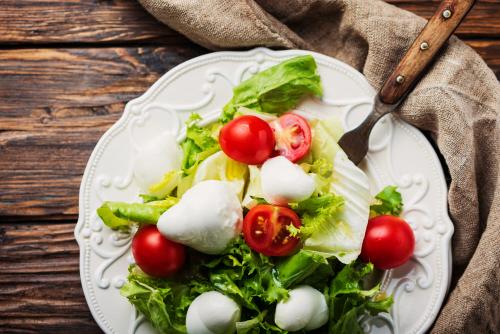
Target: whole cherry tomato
156	255
265	230
293	136
247	139
389	242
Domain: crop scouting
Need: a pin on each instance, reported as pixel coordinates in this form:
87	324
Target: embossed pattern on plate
399	154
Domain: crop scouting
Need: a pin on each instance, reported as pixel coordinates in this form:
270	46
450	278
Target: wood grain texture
483	20
100	21
78	21
489	50
40	289
56	103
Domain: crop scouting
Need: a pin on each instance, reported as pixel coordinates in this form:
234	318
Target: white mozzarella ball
284	182
207	218
305	309
212	313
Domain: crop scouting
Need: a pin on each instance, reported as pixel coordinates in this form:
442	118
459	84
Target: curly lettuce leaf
387	202
246	276
200	143
348	300
321	171
318	213
276	89
163	302
240	273
258	325
256	284
120	215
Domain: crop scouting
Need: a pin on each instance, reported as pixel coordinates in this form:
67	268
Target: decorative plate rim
131	108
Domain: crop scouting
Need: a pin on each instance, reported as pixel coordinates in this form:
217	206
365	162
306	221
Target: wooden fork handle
425	47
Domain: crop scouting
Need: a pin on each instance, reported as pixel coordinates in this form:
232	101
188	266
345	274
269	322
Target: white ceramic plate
399	154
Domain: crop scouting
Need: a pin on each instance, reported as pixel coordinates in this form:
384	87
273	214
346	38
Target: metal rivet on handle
400	79
447	14
424	46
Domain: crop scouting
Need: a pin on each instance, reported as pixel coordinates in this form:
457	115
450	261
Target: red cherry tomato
265	229
156	255
389	242
247	139
293	136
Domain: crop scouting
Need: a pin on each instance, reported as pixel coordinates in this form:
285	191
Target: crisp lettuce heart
254	190
325	135
220	167
169	182
343	236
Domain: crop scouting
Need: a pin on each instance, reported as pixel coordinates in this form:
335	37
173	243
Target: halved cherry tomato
389	242
265	229
247	139
293	136
156	255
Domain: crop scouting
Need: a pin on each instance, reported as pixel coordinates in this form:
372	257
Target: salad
259	223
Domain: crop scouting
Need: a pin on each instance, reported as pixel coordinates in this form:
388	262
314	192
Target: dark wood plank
91	21
78	21
489	51
56	103
483	20
40	289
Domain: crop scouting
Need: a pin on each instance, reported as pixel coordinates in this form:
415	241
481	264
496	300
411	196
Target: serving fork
407	73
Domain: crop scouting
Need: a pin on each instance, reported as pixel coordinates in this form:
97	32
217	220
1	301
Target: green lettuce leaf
256	283
163	302
301	267
258	325
325	135
200	143
322	172
246	276
253	193
220	167
244	111
276	89
146	198
165	187
348	300
318	213
387	202
120	215
340	231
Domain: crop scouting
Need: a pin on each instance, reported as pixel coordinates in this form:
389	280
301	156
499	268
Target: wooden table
67	68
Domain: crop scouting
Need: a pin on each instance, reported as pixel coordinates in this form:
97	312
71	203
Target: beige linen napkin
458	102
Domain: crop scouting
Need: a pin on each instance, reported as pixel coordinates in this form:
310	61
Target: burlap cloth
458	103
